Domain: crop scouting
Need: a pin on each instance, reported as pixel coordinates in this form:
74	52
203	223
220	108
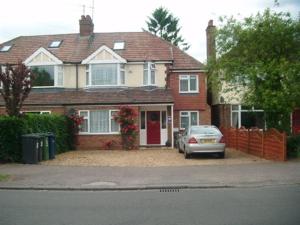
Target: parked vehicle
201	139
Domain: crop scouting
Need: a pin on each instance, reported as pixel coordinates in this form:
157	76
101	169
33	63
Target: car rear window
204	130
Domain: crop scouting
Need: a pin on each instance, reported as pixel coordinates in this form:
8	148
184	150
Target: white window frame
56	71
119	69
88	122
239	111
189	116
188	77
150	67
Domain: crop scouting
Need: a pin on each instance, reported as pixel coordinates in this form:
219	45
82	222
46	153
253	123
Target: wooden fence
270	144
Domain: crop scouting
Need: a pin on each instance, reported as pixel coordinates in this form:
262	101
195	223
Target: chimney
86	26
210	41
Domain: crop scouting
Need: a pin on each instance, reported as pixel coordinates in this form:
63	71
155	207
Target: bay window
105	74
188	84
47	76
188	118
99	122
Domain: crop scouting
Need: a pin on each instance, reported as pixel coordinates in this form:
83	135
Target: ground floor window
99	122
188	118
244	116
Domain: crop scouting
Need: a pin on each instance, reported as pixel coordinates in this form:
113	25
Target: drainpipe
172	126
76	76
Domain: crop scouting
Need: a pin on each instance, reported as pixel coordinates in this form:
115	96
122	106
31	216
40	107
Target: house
96	73
226	104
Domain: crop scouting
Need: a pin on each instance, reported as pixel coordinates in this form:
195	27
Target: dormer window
119	45
149	73
5	48
55	44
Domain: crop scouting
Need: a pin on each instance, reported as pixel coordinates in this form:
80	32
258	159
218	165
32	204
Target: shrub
293	146
12	128
126	117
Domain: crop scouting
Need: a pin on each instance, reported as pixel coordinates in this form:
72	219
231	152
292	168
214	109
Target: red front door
153	127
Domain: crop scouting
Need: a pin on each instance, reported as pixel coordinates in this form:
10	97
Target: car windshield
205	130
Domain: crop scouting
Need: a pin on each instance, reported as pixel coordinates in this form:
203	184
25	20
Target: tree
163	24
16	86
261	54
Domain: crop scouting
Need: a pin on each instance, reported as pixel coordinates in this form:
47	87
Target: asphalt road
256	206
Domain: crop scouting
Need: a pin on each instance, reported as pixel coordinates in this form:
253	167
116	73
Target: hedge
293	146
12	129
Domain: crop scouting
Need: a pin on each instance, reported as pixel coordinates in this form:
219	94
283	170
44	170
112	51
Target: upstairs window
47	76
55	44
106	74
188	84
5	48
119	45
149	73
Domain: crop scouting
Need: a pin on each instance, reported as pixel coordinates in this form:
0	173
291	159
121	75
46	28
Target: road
223	206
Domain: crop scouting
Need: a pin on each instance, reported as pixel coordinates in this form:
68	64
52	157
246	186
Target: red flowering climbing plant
77	121
126	117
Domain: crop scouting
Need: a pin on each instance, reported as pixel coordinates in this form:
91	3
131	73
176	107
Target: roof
139	46
94	96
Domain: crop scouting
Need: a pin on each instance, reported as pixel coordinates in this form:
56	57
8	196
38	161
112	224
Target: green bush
293	146
12	128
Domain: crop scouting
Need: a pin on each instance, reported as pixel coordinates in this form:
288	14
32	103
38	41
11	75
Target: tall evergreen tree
162	23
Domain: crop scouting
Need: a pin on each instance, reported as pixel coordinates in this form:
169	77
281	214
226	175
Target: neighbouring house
96	73
226	104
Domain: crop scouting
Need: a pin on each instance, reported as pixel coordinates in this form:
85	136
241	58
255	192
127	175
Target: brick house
95	73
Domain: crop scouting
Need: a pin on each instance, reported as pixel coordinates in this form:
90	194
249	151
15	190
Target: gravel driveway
147	158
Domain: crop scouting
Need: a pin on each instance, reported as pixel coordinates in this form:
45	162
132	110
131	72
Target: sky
36	17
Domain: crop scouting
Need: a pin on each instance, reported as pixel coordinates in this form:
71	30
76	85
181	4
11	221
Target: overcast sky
33	17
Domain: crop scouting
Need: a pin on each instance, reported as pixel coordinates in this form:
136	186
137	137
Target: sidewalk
116	178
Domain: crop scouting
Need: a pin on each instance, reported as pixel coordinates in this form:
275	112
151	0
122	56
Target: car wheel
186	155
221	155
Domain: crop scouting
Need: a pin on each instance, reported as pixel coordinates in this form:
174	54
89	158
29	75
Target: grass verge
4	177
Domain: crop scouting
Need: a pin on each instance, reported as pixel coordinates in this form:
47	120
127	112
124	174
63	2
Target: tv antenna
90	7
93	8
83	10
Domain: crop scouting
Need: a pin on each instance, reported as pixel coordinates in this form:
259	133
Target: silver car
201	139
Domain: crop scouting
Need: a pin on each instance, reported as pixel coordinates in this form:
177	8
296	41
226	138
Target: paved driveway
148	158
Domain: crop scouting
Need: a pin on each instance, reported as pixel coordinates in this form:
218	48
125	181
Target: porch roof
98	96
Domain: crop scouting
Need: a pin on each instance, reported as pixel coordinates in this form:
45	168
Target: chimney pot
210	41
86	26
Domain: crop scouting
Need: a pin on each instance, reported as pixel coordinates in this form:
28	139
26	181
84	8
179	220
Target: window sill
37	87
105	86
91	134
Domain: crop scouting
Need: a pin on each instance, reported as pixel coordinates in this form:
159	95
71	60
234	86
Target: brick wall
97	142
270	144
193	101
